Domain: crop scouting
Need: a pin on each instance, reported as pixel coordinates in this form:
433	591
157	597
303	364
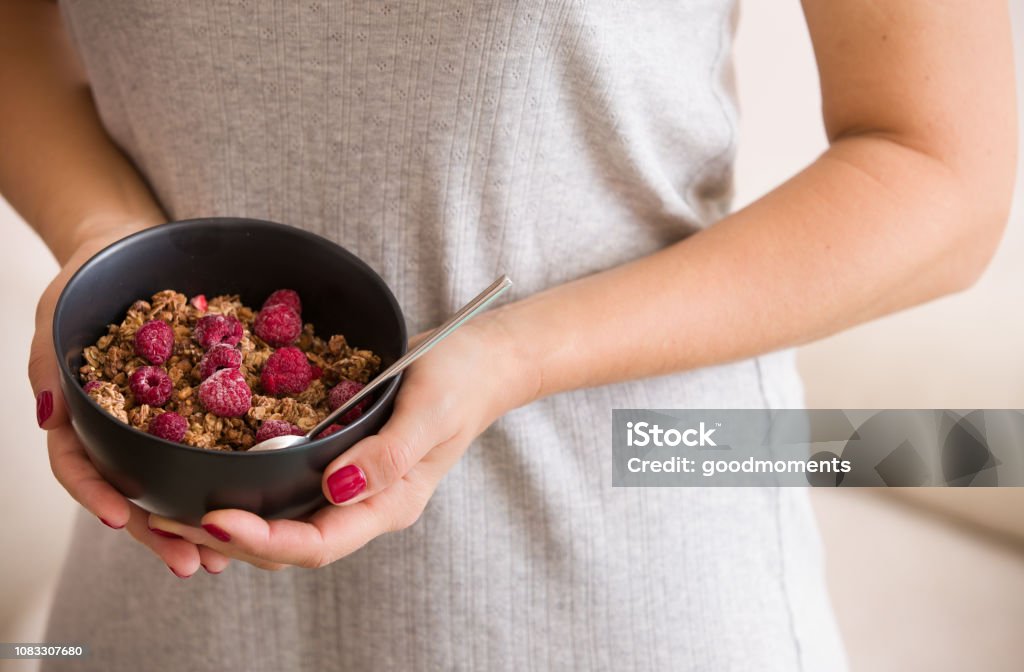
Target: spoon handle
439	334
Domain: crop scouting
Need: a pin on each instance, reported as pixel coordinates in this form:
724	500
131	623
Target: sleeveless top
444	142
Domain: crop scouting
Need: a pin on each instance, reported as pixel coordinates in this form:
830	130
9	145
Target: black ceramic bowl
340	295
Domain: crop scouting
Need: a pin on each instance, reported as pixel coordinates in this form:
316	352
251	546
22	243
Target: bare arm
907	205
58	167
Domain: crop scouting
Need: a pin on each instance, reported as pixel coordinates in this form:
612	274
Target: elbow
978	258
981	193
985	212
961	193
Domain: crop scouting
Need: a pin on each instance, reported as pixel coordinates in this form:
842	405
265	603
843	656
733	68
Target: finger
180	555
279	542
291	542
347	529
214	562
422	419
44	374
344	530
76	473
211	537
171	527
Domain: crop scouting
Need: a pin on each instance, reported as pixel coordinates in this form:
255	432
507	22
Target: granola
113	359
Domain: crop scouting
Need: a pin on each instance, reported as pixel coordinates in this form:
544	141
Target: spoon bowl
280	442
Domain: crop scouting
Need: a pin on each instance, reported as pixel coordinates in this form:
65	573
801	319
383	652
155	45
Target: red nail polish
217	533
44	406
173	571
207	569
110	525
164	533
346	483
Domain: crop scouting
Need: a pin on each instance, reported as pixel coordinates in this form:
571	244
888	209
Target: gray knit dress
445	141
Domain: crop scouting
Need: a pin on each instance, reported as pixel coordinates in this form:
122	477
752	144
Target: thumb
43	371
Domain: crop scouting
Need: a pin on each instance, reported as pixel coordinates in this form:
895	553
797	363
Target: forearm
58	167
869	228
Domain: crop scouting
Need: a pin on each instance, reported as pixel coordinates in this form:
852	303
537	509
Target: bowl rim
114	248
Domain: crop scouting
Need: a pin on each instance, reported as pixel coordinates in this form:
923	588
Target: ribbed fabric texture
445	141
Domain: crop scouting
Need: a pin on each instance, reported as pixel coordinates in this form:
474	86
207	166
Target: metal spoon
453	323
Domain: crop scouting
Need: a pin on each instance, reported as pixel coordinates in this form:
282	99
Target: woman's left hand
383	483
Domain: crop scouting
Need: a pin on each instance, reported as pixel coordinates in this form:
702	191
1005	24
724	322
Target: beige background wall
963	351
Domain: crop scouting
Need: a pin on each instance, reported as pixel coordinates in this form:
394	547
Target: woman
585	149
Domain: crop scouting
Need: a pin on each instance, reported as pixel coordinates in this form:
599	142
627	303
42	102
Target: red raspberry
169	426
278	325
151	385
288	297
90	386
220	356
213	329
225	394
273	428
341	393
317	372
199	301
287	371
330	430
154	341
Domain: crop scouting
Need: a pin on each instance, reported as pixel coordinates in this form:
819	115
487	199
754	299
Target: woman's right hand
68	459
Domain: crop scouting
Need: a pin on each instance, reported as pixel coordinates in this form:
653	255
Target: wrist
94	233
107	227
519	376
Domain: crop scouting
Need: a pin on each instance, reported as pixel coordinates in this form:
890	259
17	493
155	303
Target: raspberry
341	393
151	385
287	371
274	428
154	341
199	301
90	386
225	394
330	430
287	297
213	329
317	372
169	426
220	356
278	325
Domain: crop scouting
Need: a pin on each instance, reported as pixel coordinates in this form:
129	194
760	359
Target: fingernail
216	532
109	524
164	533
346	483
44	406
207	569
173	571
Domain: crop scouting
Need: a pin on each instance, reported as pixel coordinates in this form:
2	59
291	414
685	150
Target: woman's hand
68	459
382	484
